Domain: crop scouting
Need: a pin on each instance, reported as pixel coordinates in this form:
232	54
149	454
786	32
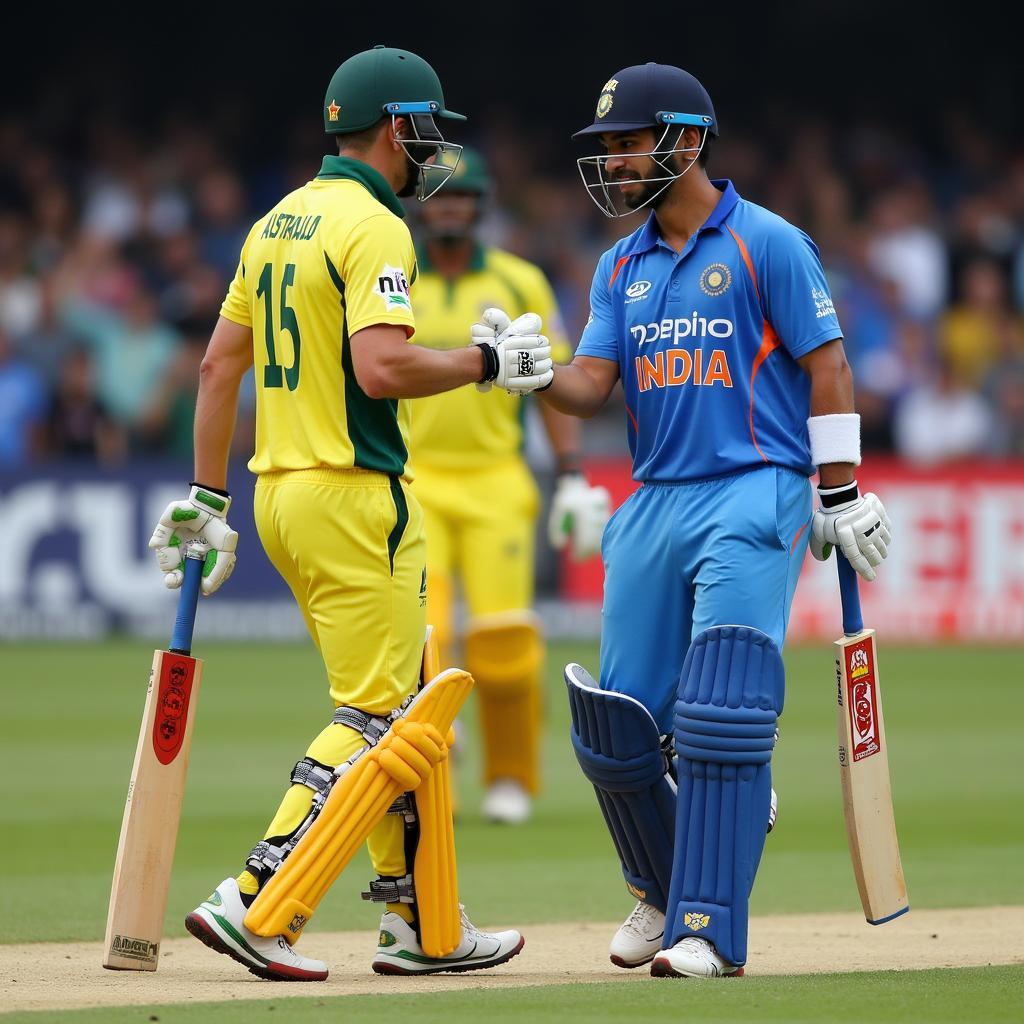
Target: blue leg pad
619	749
730	696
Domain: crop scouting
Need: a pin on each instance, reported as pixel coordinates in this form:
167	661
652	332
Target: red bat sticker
172	706
862	701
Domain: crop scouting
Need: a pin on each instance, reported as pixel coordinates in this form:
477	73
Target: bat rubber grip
849	592
188	597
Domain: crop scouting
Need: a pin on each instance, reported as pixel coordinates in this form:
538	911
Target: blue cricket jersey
707	341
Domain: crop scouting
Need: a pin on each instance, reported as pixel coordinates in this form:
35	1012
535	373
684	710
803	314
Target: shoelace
468	928
642	918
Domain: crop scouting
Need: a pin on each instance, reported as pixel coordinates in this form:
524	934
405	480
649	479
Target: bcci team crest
607	97
695	922
715	280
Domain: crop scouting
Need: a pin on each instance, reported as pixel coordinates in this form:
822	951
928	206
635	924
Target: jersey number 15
274	374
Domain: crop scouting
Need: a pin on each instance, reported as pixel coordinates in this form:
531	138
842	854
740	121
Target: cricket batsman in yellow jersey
321	308
479	500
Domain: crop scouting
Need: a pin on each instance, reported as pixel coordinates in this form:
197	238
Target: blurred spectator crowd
114	258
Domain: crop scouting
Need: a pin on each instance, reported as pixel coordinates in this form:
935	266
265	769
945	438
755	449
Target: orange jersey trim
623	260
741	245
769	339
799	534
632	419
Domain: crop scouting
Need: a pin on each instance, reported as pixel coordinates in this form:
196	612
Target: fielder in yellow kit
479	499
321	308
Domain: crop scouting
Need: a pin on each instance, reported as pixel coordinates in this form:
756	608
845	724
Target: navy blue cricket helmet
648	95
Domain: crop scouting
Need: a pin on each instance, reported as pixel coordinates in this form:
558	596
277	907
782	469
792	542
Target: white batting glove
856	524
201	518
579	513
494	323
517	356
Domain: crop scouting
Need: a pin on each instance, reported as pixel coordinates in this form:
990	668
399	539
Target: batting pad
434	871
730	696
504	653
619	749
405	757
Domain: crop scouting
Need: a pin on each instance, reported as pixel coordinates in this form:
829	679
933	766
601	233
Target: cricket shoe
639	938
219	923
693	958
507	803
399	950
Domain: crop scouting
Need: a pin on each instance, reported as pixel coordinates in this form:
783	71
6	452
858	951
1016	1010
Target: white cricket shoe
219	923
639	938
507	803
399	951
693	958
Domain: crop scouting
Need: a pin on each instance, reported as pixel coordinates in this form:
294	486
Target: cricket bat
149	829
864	763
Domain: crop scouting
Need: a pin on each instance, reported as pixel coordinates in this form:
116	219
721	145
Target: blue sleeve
796	296
600	337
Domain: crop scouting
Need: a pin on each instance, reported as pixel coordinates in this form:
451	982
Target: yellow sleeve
378	268
540	298
236	302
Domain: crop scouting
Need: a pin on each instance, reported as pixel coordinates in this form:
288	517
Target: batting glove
517	357
856	524
579	513
202	519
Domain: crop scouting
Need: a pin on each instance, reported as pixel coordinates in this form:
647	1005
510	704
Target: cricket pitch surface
58	976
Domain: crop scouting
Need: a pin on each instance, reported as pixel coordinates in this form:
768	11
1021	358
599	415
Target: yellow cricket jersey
464	427
331	258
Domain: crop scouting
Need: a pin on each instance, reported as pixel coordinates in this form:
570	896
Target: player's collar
372	180
476	262
650	236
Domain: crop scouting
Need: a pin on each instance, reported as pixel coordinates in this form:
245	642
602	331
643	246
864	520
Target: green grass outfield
919	997
70	720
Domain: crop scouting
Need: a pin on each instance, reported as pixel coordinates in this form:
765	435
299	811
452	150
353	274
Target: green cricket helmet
447	223
469	173
387	82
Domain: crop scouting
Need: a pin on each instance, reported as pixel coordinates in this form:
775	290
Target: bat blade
149	828
864	773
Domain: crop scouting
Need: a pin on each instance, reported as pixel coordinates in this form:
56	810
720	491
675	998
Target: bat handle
849	592
188	598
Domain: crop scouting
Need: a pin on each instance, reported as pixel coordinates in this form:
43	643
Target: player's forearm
414	372
216	411
831	394
578	391
564	436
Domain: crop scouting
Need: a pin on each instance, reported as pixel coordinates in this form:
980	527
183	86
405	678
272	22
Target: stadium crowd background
123	205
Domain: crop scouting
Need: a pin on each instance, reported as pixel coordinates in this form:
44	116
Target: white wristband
835	438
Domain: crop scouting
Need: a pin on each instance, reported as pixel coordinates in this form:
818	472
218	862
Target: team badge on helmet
607	97
333	110
715	280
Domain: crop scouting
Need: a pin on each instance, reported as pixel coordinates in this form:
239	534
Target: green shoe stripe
404	954
231	930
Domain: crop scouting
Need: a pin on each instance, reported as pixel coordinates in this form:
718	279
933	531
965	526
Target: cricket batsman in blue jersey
716	316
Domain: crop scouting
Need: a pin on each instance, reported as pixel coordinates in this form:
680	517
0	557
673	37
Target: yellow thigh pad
403	759
504	651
